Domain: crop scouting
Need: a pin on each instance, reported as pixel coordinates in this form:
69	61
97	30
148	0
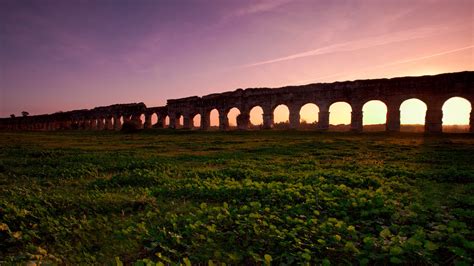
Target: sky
63	55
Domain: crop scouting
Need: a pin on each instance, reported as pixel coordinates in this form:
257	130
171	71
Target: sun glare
412	112
375	112
456	111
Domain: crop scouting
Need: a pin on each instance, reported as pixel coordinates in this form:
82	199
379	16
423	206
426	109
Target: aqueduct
434	91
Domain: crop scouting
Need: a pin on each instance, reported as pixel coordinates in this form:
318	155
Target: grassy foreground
269	197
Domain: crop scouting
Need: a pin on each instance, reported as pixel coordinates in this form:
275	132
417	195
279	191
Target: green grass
284	197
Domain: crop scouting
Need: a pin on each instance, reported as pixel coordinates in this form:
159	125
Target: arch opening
196	121
456	115
214	118
154	119
412	115
340	116
179	121
374	116
256	117
142	120
232	117
281	117
309	116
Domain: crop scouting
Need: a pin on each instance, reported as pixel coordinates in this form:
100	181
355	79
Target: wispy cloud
347	74
259	7
426	57
359	44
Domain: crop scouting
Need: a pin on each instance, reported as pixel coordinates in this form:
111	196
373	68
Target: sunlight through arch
154	119
197	121
309	113
214	118
232	116
167	121
412	115
340	114
281	114
456	111
256	116
374	113
142	120
180	121
456	114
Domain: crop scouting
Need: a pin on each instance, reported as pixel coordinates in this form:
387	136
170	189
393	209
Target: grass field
279	197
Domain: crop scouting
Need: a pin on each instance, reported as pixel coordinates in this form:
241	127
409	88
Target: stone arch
281	116
232	114
374	115
456	114
142	120
340	116
179	120
413	115
309	115
256	116
196	121
154	119
109	122
167	121
100	123
214	118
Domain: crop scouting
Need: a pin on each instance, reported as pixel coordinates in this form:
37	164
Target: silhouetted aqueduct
432	90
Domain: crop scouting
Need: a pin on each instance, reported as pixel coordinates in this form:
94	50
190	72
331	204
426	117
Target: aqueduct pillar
161	122
323	119
356	118
108	123
93	124
205	120
393	117
117	122
223	120
187	121
100	123
267	120
294	116
243	120
148	123
434	117
471	121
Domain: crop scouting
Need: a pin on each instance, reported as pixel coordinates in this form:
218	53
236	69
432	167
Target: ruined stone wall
432	90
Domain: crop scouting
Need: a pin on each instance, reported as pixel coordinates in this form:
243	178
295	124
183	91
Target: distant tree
25	113
12	115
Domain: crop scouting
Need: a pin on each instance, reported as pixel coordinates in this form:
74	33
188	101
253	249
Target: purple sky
64	55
